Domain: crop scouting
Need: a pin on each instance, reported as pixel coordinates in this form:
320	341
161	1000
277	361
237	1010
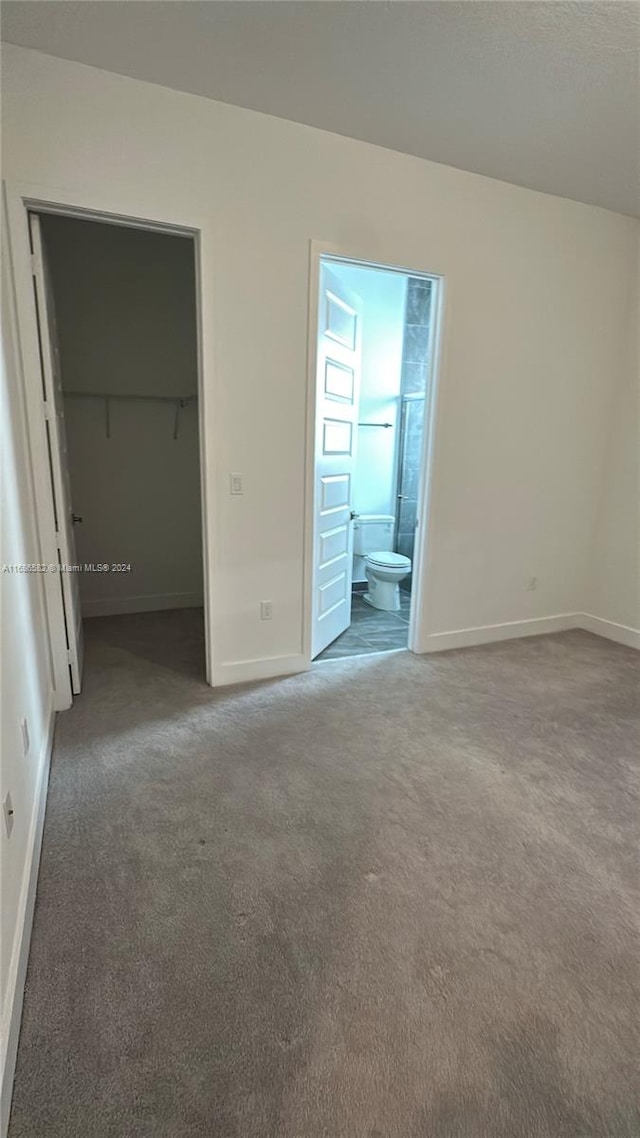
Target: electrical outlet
533	584
235	484
7	810
266	610
24	727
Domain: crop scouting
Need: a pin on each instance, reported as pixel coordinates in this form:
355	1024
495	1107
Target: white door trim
19	199
423	558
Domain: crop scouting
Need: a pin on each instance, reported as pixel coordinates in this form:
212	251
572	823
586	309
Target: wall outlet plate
7	810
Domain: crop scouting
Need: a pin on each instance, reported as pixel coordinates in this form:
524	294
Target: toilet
384	570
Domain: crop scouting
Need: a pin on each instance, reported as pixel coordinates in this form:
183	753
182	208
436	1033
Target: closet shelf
184	399
180	401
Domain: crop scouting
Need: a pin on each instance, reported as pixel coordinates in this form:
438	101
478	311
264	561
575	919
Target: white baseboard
268	668
537	626
22	937
154	602
621	633
489	633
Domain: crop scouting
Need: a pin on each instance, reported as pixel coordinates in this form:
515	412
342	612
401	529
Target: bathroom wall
125	310
415	375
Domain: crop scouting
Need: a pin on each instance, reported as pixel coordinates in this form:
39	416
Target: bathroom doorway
373	399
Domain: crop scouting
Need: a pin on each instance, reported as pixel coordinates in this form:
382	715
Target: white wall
139	497
126	320
25	694
614	584
125	307
536	292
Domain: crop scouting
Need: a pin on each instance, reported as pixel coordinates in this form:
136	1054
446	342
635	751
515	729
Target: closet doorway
116	309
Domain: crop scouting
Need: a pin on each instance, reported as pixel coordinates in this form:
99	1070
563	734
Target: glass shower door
409	465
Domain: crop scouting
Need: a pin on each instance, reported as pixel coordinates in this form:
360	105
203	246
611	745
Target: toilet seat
388	560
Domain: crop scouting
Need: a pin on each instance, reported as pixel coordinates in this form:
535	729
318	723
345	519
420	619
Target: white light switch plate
235	484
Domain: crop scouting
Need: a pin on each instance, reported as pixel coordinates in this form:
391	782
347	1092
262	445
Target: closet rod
180	401
386	425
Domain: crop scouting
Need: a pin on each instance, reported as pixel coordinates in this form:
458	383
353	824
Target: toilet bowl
384	572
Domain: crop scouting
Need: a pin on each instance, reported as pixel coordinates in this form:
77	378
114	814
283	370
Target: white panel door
58	459
338	389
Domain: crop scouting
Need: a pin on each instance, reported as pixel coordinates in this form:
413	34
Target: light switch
235	481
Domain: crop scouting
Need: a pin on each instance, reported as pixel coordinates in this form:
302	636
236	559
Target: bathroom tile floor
371	630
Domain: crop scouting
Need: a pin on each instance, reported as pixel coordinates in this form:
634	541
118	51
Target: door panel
338	388
337	437
58	457
338	381
334	544
332	594
341	318
335	492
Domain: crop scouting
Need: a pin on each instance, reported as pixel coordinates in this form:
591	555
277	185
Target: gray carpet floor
392	898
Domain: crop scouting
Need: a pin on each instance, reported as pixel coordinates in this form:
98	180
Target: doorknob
76	519
353	515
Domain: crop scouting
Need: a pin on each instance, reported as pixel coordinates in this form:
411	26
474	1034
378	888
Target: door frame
318	251
20	199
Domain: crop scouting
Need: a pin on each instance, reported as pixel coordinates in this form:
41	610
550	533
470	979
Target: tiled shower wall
415	368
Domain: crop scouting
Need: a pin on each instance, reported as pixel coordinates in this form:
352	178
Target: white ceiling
546	95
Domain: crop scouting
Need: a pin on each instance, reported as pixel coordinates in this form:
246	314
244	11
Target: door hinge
35	264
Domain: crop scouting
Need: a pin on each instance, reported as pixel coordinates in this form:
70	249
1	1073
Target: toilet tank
372	533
